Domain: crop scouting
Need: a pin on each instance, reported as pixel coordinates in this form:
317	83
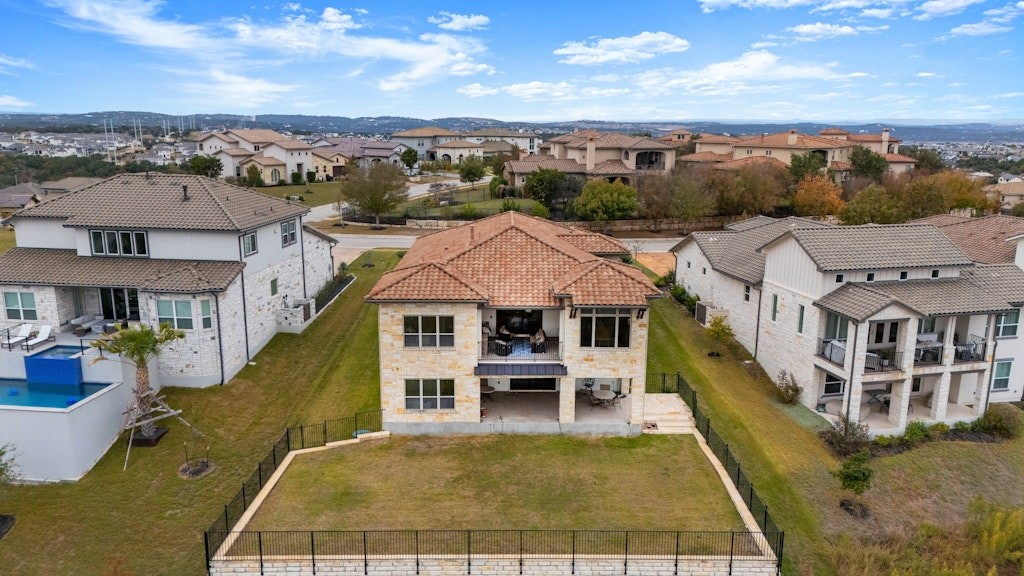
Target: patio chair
22	334
43	336
502	348
617	401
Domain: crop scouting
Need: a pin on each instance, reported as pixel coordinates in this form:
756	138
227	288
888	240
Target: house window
903	274
249	243
430	394
287	233
915	385
879	333
177	313
1006	325
119	242
833	385
687	263
835	327
800	320
935	273
1001	379
429	331
20	306
604	327
926	325
204	312
704	271
839	278
273	287
871	276
894	331
746	293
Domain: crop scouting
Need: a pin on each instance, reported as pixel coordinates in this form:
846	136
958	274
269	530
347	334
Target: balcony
972	351
832	350
883	360
521	350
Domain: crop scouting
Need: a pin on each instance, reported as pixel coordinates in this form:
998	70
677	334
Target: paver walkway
667	414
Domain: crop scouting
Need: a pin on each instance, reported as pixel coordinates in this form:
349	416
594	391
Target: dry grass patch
6	239
503	482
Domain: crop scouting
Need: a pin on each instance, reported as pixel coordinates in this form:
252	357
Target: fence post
206	547
520	552
778	553
288	435
244	503
312	550
366	562
676	571
227	526
302	434
259	539
469	552
325	432
625	559
417	534
573	551
732	546
765	516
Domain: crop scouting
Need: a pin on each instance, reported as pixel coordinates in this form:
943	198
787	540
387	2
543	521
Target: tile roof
155	201
781	140
833	132
1005	281
984	239
984	292
256	135
609	167
51	267
735	252
615	140
529	166
706	157
870	138
841	166
855	302
69	184
289	144
263	160
426	132
716	139
940	220
753	222
234	152
898	159
877	247
749	161
511	259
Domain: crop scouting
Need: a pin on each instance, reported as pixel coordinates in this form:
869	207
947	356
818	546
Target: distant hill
386	125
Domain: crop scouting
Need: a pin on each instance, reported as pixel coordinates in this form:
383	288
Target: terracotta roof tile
898	159
605	283
610	167
706	157
50	267
749	161
256	135
984	239
425	132
782	140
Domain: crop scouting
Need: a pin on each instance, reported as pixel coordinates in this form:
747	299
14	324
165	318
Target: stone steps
667	414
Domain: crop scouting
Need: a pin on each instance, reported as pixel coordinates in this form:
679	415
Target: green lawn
316	194
503	482
6	239
148	518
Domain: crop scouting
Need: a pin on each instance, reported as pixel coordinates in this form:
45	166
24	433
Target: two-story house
229	266
423	139
885	324
542	317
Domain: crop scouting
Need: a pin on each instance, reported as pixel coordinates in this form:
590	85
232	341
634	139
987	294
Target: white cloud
477	90
858	75
595	92
979	29
939	8
605	78
763	45
820	31
880	13
237	91
825	96
460	22
134	22
7	62
536	90
927	75
712	5
956	84
623	49
8	101
1009	95
1006	13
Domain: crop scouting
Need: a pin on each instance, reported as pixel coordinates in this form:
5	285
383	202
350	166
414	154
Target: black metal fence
296	438
676	383
475	545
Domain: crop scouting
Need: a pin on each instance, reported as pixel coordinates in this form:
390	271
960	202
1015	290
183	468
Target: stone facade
737	300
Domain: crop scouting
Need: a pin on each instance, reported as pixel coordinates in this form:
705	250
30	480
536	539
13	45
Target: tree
962	191
749	190
137	346
544	185
604	201
927	159
873	204
855	475
205	166
1018	209
864	162
800	165
471	170
817	195
7	467
409	157
252	176
719	329
375	190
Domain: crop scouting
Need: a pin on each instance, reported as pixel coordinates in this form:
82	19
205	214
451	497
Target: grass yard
149	520
503	482
6	238
317	194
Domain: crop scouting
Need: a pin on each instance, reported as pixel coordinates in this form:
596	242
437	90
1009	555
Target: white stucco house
576	322
885	324
229	266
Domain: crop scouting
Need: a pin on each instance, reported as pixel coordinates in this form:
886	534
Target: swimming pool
59	352
23	393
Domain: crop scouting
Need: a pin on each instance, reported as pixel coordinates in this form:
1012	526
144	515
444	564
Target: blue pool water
58	352
22	393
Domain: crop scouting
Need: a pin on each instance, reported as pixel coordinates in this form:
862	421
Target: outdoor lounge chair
22	334
43	336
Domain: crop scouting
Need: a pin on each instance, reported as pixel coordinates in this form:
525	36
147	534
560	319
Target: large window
287	233
204	313
177	313
429	331
800	320
833	385
119	242
604	327
835	327
249	243
430	394
775	307
1001	379
926	325
20	306
1007	324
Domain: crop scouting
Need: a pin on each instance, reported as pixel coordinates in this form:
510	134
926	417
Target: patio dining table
605	396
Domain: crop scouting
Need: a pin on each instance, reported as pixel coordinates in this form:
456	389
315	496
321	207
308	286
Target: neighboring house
679	138
14	198
442	307
516	171
1008	195
456	151
1007	178
985	240
375	152
271	170
328	164
235	148
224	264
527	142
423	139
884	335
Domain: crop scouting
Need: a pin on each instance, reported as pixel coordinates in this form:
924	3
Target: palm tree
137	346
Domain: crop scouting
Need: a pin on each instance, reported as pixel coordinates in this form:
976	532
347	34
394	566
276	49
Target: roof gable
875	247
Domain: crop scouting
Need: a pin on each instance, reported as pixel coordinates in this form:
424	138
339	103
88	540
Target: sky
739	60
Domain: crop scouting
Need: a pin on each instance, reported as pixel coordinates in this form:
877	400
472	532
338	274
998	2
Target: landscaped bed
502	482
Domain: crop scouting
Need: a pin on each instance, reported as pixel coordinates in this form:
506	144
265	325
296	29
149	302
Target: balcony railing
927	355
883	360
522	350
832	350
972	351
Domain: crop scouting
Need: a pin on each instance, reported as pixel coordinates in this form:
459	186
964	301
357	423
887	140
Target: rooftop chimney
184	192
885	140
591	153
791	138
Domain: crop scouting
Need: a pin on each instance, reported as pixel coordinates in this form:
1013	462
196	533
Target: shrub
467	211
509	205
884	441
998	535
962	426
786	388
855	474
296	178
915	433
540	211
846	437
719	329
1002	420
281	182
678	292
310	176
666	280
938	430
342	269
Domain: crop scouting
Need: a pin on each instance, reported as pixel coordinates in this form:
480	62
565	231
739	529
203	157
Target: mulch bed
950	436
6	523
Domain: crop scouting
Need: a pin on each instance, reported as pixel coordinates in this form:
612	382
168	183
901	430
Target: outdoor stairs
667	414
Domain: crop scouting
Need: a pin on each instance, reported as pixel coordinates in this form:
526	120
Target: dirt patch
660	263
855	509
